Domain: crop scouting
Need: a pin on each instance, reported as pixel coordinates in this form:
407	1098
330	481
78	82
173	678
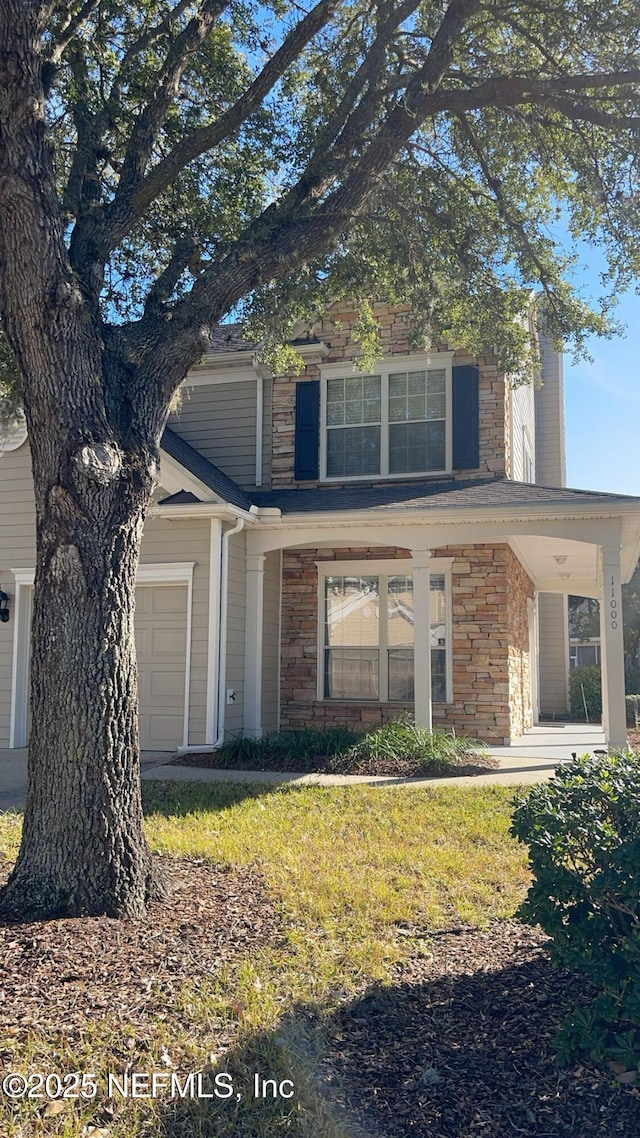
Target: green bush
632	703
400	741
631	679
396	746
583	833
585	687
287	749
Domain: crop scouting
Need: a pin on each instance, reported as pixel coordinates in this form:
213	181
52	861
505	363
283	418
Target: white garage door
161	644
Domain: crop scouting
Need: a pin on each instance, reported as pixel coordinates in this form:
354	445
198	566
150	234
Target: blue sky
602	405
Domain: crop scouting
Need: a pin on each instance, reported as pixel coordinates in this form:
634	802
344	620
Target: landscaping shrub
585	680
401	741
631	679
632	703
285	748
583	833
396	747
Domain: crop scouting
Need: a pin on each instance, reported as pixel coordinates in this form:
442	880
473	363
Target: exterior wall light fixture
4	606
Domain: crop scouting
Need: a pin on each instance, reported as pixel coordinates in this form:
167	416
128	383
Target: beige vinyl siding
187	540
267	433
219	421
553	654
17	551
549	402
523	425
236	623
271	642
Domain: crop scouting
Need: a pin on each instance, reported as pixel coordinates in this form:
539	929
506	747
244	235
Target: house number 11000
613	606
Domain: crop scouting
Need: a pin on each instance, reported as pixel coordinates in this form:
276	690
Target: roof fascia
376	516
223	510
248	360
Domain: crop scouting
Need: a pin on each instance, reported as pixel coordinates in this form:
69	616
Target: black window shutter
466	418
307	444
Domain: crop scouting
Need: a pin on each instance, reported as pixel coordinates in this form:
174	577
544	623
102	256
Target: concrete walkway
13	774
530	759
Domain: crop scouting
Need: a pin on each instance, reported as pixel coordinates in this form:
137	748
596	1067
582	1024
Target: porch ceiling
559	565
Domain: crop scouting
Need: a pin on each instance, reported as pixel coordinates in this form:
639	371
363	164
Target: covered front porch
496	565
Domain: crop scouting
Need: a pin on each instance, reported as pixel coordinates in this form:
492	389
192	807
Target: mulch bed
460	1046
56	975
324	764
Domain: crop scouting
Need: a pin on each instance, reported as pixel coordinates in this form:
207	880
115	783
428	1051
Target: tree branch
150	121
585	113
515	226
153	33
503	91
346	126
69	29
132	200
282	239
184	251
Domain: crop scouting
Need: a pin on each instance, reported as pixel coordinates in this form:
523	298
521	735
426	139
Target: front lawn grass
357	877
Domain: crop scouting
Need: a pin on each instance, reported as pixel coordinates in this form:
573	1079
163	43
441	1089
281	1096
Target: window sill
379	702
382	479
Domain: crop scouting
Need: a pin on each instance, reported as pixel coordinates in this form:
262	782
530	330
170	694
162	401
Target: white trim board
174	477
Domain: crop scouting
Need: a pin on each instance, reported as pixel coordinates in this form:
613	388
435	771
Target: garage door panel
167	684
170	599
161	649
168	642
164	731
143	640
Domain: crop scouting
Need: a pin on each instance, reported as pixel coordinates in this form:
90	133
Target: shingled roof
494	492
203	470
229	338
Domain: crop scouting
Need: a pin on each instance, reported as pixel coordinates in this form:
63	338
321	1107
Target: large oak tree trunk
94	429
83	848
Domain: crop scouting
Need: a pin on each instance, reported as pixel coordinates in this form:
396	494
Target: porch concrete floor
530	759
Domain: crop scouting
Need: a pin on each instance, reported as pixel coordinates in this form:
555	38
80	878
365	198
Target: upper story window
393	423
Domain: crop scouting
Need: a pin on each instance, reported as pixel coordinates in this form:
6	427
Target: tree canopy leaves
216	158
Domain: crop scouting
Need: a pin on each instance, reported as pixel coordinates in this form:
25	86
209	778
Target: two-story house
339	547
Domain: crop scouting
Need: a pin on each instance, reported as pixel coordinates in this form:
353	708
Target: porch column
252	721
421	637
612	650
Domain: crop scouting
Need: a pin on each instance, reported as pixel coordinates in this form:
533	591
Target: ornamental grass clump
398	747
401	743
583	833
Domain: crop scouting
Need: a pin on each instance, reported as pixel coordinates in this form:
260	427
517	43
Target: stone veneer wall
491	694
395	325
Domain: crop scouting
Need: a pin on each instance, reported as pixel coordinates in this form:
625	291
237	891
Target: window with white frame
367	633
392	423
584	654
